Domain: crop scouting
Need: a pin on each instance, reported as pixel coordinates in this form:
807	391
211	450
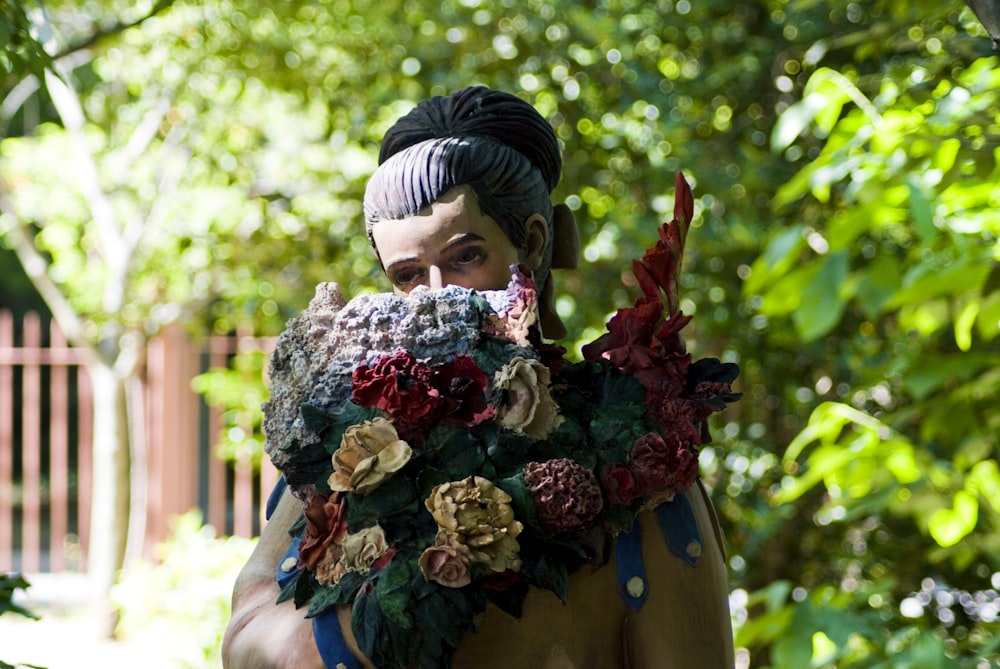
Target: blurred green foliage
10	583
844	252
179	606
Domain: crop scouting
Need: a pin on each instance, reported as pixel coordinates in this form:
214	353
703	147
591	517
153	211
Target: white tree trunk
109	511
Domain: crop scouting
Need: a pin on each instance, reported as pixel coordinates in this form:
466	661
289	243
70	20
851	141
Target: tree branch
119	27
36	266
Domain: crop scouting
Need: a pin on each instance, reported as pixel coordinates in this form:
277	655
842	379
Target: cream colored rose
475	513
363	548
368	453
446	562
528	408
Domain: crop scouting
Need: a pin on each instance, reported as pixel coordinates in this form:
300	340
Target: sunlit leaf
950	525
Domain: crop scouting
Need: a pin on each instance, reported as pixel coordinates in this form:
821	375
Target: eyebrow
464	238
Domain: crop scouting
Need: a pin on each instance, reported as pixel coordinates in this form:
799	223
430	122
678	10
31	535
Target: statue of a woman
462	193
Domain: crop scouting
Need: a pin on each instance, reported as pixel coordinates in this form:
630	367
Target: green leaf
393	590
396	494
949	526
822	302
876	284
794	648
922	210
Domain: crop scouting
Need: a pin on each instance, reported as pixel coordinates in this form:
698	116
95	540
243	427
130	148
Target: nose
434	277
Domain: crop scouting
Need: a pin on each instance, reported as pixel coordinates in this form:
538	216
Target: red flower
620	484
326	527
665	466
462	386
401	386
658	270
630	332
644	340
566	494
417	396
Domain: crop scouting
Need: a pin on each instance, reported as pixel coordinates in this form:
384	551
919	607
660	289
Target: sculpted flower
566	494
478	515
326	527
519	312
529	408
462	385
620	484
446	562
368	453
366	550
664	466
401	386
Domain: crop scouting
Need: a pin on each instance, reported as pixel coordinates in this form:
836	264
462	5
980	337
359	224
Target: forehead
455	215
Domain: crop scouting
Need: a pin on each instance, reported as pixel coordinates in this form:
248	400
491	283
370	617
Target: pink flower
446	562
566	494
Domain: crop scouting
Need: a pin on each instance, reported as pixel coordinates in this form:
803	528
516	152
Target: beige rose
368	453
358	552
478	515
446	562
529	408
363	548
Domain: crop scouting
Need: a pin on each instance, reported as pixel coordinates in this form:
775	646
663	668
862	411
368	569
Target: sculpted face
451	242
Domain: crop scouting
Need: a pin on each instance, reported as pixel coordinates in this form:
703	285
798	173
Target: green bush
182	603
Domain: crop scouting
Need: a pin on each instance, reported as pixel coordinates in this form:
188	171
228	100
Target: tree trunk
109	511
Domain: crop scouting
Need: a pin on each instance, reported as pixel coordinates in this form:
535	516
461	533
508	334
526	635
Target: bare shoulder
260	633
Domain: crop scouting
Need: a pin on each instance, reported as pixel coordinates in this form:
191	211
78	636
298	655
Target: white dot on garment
694	549
635	586
289	565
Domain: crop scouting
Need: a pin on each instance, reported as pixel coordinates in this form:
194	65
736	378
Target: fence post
6	446
172	416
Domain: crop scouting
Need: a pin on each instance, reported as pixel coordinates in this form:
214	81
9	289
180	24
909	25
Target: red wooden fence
46	434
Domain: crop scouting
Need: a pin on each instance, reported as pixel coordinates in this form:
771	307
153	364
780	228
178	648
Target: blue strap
275	497
330	642
287	569
631	570
326	628
680	529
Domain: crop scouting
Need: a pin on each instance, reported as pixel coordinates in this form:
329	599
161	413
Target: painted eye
470	255
406	277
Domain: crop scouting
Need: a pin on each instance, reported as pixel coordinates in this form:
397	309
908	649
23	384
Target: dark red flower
401	386
326	527
462	386
658	270
565	493
644	340
630	332
665	465
620	484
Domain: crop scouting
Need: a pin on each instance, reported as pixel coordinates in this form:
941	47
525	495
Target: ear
566	242
537	237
